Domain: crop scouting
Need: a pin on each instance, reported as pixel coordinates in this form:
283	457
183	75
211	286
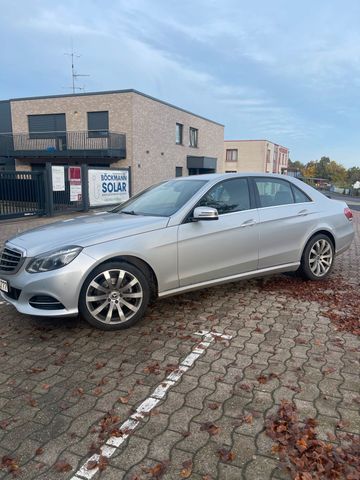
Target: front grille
45	302
10	260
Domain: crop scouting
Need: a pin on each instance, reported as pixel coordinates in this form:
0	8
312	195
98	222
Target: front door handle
304	212
248	223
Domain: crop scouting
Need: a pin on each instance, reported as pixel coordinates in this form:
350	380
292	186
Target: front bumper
63	284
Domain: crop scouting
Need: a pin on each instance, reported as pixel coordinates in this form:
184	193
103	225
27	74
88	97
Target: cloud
281	69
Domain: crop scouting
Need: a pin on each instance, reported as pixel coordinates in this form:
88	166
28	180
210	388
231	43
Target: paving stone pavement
60	378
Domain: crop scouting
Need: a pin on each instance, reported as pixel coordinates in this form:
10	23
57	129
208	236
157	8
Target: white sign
58	178
75	192
356	185
108	187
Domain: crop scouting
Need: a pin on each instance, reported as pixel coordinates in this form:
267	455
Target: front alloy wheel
114	296
318	257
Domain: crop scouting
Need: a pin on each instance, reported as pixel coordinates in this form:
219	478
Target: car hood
85	231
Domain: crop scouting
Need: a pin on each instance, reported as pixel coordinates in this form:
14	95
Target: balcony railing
80	144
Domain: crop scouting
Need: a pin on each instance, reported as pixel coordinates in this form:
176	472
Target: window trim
196	137
257	198
181	125
232	150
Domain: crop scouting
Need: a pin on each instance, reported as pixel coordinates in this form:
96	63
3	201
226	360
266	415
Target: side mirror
205	213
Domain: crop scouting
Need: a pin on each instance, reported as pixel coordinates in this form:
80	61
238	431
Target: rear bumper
344	242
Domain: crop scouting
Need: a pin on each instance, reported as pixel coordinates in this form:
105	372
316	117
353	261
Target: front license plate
4	286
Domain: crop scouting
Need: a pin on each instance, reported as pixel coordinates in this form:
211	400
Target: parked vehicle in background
184	234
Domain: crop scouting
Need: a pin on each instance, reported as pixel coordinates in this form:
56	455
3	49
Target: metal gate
58	189
63	200
22	194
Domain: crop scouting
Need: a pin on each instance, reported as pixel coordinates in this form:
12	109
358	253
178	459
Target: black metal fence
22	194
34	193
76	144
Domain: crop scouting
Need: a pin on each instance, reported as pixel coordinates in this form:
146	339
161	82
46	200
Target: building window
230	171
98	124
231	155
179	134
47	125
193	137
178	171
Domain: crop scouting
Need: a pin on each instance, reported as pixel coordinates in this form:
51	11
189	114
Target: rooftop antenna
74	74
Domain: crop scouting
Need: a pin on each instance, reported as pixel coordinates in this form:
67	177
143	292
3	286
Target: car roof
217	176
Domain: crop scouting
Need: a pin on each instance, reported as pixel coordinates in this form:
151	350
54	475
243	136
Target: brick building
123	128
254	156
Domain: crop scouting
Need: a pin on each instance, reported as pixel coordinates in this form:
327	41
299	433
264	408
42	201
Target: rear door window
273	192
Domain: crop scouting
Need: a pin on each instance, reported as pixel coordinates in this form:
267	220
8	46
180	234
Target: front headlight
53	260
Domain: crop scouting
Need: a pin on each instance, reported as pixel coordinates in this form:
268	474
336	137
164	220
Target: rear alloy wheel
318	258
114	296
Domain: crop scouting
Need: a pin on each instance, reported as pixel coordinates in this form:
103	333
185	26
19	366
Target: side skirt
242	276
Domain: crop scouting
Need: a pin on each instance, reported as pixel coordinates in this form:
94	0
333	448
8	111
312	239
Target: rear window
299	195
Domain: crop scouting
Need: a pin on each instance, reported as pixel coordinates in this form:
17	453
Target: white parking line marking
144	409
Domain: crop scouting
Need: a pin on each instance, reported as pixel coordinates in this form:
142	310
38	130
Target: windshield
161	200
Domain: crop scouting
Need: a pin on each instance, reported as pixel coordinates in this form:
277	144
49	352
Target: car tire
114	296
318	258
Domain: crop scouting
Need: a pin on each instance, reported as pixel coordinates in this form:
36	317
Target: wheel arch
141	265
323	231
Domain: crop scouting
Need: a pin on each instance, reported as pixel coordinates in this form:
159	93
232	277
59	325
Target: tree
309	170
353	175
296	165
322	167
336	173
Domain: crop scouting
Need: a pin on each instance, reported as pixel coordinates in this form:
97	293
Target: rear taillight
348	214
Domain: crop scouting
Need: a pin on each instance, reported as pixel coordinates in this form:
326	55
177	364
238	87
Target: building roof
257	140
110	92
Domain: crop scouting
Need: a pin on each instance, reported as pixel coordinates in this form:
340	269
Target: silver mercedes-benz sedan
183	234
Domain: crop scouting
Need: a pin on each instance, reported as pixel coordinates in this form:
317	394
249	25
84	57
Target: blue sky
281	70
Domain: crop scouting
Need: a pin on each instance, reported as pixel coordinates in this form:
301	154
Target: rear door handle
248	223
304	212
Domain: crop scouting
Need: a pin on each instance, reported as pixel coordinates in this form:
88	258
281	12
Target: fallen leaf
210	427
39	451
10	464
226	455
213	406
4	424
245	386
158	470
152	368
63	466
187	469
303	455
123	400
248	418
100	365
78	392
31	401
262	379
